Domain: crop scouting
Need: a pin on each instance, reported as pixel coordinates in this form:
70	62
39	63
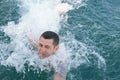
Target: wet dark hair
51	35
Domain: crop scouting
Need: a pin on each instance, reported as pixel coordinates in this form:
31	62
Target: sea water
89	39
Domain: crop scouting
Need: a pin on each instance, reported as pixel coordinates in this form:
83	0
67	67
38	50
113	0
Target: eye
40	45
47	46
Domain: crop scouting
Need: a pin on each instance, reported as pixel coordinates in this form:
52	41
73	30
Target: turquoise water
97	25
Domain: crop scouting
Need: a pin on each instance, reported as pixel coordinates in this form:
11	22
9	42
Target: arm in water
61	72
57	76
32	39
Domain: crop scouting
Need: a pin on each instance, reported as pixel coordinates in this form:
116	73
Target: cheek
50	51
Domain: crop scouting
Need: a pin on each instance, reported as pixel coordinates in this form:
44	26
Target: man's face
46	47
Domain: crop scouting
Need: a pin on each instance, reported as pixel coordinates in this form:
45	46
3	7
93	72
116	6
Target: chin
43	57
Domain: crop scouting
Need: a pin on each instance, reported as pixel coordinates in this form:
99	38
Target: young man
47	46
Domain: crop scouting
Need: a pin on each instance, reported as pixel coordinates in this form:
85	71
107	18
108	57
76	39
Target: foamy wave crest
81	54
77	3
40	16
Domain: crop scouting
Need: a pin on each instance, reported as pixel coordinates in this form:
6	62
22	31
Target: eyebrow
40	43
45	45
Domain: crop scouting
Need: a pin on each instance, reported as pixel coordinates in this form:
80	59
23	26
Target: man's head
48	44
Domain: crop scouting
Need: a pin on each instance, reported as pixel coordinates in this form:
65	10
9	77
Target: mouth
42	55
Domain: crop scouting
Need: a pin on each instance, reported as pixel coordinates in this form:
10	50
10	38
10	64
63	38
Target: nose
42	49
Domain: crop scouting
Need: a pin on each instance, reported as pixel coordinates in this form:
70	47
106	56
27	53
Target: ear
56	48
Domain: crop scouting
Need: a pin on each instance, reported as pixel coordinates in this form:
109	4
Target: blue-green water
97	25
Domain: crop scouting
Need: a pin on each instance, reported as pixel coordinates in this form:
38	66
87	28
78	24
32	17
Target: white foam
41	16
80	53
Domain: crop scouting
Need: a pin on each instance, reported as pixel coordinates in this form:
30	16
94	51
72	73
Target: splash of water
42	16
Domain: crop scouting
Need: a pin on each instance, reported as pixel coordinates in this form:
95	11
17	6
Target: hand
32	39
57	76
62	8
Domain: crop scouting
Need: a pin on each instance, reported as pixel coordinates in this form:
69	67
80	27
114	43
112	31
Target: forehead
45	41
